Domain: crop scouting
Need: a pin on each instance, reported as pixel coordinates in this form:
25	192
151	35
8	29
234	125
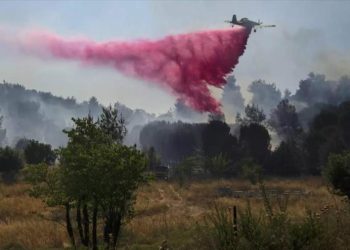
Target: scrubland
186	217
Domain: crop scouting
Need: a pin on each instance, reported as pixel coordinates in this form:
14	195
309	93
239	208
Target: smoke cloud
185	64
232	99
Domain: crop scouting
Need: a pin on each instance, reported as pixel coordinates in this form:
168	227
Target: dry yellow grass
163	210
22	221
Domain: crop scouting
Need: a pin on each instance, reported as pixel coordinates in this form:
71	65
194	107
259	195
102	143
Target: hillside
42	116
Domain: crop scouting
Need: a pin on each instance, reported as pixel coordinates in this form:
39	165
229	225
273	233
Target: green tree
286	160
184	171
79	171
254	141
284	120
219	166
100	175
36	152
216	139
10	164
113	124
329	133
337	172
46	184
97	176
253	115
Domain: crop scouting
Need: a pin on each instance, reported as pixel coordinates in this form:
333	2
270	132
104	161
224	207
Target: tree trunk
69	225
94	227
79	223
117	219
107	230
86	225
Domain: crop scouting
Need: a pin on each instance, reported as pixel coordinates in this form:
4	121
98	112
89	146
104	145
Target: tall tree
328	133
253	115
102	174
286	160
254	141
217	139
284	120
97	177
113	124
172	141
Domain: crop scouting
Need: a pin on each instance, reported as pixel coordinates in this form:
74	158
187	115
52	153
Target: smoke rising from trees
42	116
265	95
232	99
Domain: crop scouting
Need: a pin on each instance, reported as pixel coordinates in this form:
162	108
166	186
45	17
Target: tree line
221	149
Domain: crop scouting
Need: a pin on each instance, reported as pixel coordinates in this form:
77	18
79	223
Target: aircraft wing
265	26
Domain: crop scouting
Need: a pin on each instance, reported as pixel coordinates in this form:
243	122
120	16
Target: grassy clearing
163	211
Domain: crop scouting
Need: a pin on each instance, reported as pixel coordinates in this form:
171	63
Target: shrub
10	164
36	152
337	172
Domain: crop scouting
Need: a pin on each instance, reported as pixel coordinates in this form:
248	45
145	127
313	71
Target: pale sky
310	36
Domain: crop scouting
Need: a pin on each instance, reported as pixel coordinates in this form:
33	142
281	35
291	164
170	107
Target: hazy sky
310	36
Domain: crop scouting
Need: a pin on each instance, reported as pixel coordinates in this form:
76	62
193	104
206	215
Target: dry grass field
163	211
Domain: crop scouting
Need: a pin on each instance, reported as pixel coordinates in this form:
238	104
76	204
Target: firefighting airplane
245	22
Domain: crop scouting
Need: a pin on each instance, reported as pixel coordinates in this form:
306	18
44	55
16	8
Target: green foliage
252	228
329	133
251	171
337	172
219	165
46	183
185	170
254	141
257	231
113	124
96	174
253	115
216	139
10	164
78	159
307	232
219	222
36	152
285	121
286	160
172	141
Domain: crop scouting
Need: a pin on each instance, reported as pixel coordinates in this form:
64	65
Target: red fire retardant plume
185	64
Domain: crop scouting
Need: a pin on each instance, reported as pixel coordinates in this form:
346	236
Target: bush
337	172
257	231
10	164
36	152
